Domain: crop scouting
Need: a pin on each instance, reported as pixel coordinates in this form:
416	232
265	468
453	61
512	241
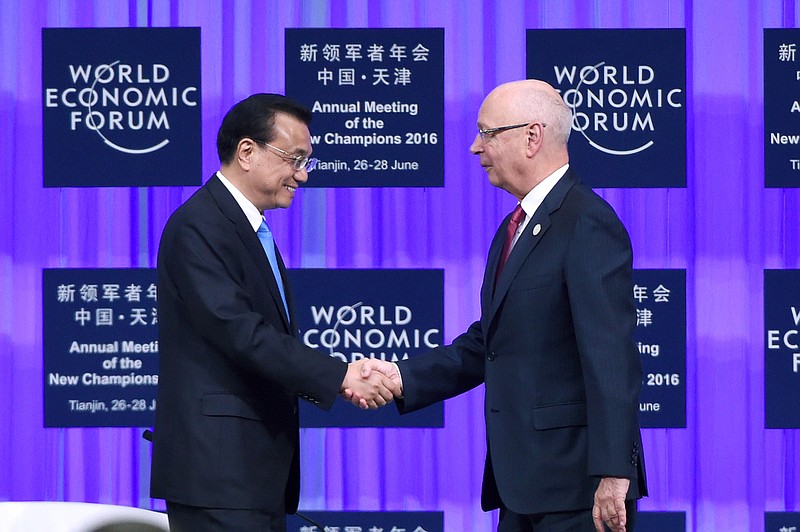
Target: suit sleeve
444	372
207	273
599	282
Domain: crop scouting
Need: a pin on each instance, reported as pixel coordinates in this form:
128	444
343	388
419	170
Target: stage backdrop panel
366	522
378	102
661	522
627	92
121	107
782	351
782	522
660	336
100	347
781	108
355	314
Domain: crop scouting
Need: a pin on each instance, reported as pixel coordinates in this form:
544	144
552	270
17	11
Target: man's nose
477	145
301	176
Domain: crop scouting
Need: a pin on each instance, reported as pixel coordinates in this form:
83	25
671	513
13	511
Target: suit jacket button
491	355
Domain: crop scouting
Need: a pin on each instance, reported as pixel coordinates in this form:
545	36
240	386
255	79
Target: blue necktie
265	236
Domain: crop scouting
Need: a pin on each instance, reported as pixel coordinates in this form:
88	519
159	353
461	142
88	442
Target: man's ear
533	138
244	152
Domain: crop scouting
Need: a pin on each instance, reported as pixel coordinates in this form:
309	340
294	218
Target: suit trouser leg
184	518
577	521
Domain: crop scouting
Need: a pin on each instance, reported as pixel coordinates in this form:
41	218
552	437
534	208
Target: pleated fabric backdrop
724	228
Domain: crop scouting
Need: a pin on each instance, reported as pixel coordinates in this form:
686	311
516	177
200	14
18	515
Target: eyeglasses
299	162
486	134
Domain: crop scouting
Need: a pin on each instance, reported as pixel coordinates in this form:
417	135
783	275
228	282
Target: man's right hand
366	386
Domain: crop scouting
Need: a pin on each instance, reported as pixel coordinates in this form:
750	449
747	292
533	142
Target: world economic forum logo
607	100
121	106
627	93
353	332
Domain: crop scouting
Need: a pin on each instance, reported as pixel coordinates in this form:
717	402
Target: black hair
254	117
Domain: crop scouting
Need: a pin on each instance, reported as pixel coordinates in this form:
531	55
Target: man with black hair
225	454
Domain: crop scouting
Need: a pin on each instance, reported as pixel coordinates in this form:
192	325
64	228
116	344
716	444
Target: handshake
370	383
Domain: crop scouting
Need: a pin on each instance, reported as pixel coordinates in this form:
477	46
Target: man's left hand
609	504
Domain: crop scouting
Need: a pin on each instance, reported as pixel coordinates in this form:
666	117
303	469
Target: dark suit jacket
554	347
231	368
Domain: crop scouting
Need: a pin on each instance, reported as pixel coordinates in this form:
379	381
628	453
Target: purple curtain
725	470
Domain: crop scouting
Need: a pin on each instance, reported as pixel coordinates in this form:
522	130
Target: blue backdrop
725	470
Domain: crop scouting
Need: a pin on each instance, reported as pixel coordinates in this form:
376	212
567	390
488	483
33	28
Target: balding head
531	126
534	100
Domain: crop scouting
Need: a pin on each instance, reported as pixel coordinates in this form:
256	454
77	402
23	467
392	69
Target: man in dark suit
225	453
554	344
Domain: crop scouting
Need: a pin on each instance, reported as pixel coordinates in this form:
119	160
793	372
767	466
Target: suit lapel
534	232
492	261
249	239
287	291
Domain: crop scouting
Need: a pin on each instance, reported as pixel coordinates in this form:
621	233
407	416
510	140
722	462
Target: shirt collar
535	197
251	211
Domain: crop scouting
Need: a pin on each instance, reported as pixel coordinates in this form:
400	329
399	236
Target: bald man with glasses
554	343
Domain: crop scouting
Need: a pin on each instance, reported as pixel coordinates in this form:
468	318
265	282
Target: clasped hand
370	383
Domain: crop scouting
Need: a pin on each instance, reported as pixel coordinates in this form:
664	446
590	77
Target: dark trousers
577	521
184	518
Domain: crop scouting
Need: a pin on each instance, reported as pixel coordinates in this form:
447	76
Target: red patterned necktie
516	218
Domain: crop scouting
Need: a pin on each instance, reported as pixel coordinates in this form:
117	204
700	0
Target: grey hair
551	110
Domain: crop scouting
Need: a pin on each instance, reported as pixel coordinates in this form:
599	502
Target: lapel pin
537	229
